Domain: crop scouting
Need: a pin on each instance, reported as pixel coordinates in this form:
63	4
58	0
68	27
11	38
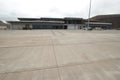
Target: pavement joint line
60	33
57	44
53	32
67	65
56	60
26	46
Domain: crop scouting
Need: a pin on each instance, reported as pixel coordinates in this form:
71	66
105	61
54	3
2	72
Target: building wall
72	26
18	26
31	26
3	27
75	26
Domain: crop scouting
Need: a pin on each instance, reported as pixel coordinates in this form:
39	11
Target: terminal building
47	23
56	23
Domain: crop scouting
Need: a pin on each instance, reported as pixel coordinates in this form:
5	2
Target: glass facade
39	26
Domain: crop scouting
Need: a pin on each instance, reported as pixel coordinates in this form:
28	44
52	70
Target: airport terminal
57	23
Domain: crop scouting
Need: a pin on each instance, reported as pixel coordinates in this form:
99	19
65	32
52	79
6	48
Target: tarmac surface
59	55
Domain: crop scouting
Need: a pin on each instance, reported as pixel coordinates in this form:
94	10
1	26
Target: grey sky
11	9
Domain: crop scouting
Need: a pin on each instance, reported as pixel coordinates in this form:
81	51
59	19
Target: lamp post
89	15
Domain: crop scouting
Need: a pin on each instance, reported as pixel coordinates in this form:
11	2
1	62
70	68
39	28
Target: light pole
89	15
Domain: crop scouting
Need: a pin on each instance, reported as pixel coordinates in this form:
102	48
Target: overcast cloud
11	9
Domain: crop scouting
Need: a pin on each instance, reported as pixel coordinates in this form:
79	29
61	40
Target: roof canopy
48	19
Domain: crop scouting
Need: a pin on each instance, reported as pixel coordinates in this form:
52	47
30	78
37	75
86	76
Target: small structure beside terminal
3	25
112	18
99	25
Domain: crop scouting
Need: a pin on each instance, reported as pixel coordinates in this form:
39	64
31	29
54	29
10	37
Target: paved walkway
59	55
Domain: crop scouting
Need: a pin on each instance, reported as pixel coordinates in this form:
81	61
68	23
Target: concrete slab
84	53
67	55
59	55
48	74
104	70
21	41
2	76
26	58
